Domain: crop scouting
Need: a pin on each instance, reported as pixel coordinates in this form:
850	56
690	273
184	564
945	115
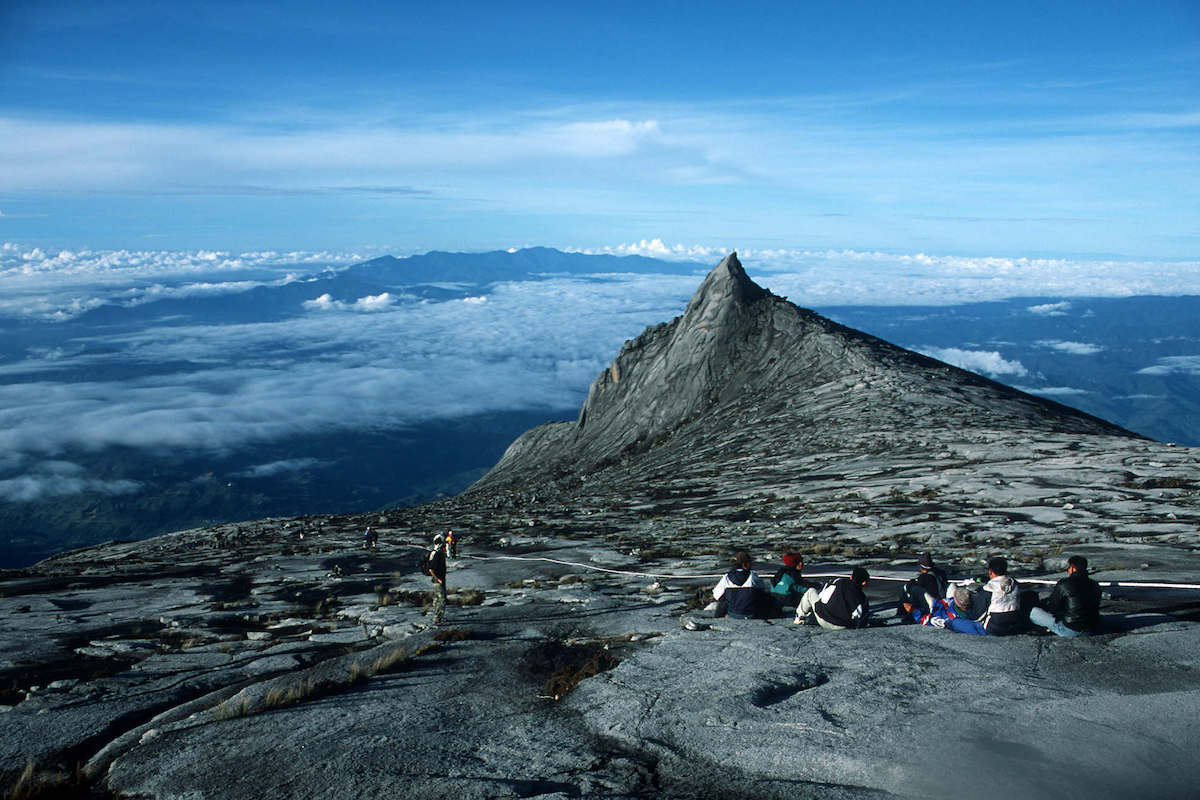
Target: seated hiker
934	612
1073	608
788	585
838	606
1003	616
740	593
932	577
930	583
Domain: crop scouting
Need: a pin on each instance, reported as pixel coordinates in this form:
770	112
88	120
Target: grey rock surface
242	661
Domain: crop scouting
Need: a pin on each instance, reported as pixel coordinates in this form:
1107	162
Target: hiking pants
439	603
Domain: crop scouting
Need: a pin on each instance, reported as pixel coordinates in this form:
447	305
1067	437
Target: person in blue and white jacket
741	593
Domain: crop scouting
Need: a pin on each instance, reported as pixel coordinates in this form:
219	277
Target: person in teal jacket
788	585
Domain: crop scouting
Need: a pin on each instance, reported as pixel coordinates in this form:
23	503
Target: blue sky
1015	129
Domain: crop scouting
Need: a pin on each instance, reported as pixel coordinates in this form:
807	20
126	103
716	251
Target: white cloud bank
1188	365
527	345
1074	348
62	284
985	362
1053	391
279	467
58	479
857	277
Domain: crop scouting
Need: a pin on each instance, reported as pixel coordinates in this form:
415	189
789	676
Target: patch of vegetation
465	597
560	666
33	783
1167	483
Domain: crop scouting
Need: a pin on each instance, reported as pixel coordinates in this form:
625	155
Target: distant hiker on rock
437	574
1073	608
451	545
740	593
840	605
1004	616
788	586
370	538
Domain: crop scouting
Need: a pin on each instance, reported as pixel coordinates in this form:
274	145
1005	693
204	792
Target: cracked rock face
282	658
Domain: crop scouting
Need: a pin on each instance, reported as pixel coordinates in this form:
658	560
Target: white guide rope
595	568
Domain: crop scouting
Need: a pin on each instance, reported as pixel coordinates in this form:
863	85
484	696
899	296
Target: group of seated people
999	607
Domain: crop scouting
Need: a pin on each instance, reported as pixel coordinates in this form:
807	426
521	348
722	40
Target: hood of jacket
1005	596
738	577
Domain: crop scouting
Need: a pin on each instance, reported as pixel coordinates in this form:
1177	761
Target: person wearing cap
740	593
923	591
788	586
437	574
932	578
1073	608
839	606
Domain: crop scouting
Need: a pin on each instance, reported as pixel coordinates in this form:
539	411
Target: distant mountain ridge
523	264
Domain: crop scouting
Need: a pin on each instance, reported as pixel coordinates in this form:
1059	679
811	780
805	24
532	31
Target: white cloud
982	361
865	277
181	159
58	479
534	344
279	467
62	284
370	303
377	302
1074	348
609	138
1053	391
1189	365
1051	309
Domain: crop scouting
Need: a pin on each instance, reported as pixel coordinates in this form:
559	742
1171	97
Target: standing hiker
437	574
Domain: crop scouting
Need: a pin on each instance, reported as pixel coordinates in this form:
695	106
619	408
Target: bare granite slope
741	358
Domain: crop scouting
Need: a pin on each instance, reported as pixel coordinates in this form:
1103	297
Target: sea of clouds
393	359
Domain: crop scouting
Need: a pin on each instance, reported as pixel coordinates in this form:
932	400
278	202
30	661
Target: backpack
423	565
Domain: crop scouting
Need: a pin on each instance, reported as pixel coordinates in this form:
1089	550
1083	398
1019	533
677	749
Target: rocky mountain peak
741	359
726	286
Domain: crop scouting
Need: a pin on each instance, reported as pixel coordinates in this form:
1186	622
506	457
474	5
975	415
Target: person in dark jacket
437	574
839	606
932	578
740	593
1073	608
931	583
788	586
